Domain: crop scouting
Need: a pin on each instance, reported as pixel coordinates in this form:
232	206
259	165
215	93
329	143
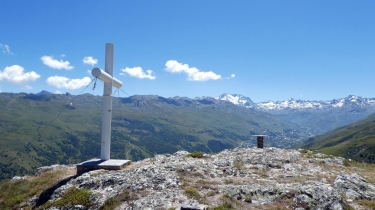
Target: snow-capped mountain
237	99
351	100
318	116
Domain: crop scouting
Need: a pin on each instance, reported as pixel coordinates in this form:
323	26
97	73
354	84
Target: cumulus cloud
15	74
6	49
58	92
193	73
63	82
28	87
137	72
89	60
56	64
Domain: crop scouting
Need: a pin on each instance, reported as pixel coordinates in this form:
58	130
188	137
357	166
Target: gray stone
18	178
44	169
192	206
355	187
317	195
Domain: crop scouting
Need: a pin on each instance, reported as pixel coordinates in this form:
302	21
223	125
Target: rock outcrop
355	187
242	178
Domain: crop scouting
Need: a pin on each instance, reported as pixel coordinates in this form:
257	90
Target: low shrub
195	155
113	202
72	196
192	193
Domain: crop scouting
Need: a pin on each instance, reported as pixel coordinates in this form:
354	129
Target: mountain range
316	116
44	129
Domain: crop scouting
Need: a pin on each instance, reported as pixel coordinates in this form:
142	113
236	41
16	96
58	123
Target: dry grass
14	193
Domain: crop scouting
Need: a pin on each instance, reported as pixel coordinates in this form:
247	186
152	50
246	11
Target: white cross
109	81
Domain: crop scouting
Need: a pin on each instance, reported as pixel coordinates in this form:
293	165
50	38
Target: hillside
142	126
241	178
355	141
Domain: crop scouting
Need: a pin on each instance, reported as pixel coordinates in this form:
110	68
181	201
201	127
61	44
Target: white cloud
193	73
89	60
28	87
56	64
138	73
63	82
15	74
58	92
6	49
231	76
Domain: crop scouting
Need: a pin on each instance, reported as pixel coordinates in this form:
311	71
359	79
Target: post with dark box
260	140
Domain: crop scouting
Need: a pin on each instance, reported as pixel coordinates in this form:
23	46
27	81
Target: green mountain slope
355	141
142	126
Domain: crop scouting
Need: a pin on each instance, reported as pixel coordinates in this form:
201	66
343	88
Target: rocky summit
241	178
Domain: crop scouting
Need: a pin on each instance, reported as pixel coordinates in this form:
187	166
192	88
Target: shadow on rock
46	195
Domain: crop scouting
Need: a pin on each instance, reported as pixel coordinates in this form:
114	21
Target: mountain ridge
245	101
316	116
355	141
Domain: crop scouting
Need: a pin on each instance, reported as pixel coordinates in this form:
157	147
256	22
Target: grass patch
192	193
304	151
113	202
195	155
228	203
13	193
205	184
225	206
72	196
238	164
228	181
346	163
368	204
210	193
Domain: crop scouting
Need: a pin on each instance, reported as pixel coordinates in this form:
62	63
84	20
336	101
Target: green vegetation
355	141
113	202
225	206
14	193
228	203
368	204
72	196
238	164
142	126
192	193
195	154
346	163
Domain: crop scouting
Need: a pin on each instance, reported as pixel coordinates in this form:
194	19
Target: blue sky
266	50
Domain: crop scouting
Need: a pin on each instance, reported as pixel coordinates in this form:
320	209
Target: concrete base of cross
96	164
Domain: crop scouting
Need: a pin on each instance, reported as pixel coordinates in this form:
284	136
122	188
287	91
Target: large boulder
317	195
355	187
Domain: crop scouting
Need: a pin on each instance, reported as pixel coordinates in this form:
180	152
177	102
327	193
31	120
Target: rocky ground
242	178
